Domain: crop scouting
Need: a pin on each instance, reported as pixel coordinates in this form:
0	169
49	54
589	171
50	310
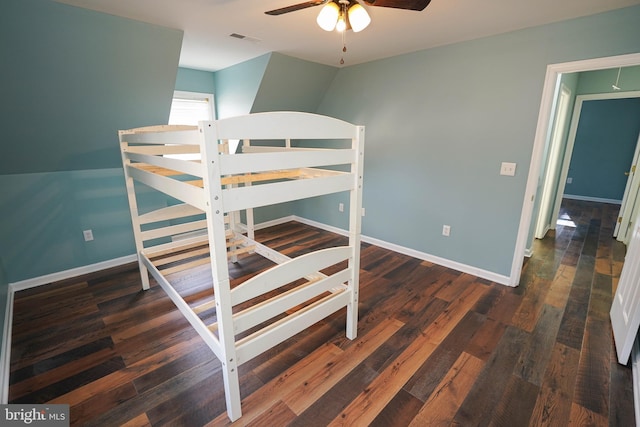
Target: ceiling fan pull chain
344	47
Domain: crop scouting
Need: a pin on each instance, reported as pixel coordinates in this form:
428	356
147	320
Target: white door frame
630	200
552	170
551	77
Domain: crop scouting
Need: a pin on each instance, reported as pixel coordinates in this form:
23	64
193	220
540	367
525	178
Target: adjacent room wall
601	81
439	124
605	141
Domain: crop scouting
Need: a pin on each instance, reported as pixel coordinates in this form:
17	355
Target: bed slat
179	190
260	162
172	230
240	198
168	213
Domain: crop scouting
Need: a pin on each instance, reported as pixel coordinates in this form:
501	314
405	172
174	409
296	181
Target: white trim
277	221
494	277
552	73
68	274
5	351
528	252
592	199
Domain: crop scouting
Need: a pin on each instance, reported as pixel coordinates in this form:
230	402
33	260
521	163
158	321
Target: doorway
544	120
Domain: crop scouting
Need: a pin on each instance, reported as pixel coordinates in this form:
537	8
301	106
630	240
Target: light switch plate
508	169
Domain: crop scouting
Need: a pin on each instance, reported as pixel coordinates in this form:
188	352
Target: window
188	108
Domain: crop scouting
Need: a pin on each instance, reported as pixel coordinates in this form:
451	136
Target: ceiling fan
343	15
397	4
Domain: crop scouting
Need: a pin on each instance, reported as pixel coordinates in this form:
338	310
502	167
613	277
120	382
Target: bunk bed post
251	226
133	208
219	267
355	220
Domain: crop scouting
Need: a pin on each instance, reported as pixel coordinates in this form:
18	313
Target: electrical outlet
341	207
569	180
446	230
362	211
508	169
88	235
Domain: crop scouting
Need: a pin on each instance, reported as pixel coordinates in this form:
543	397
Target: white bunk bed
284	157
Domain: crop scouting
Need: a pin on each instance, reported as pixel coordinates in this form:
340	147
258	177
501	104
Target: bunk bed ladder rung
205	306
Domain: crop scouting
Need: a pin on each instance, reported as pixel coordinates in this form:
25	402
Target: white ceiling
207	25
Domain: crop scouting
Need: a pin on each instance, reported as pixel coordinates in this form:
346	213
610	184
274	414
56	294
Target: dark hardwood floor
435	346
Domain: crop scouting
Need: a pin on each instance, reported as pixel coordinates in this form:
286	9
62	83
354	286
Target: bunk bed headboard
285	125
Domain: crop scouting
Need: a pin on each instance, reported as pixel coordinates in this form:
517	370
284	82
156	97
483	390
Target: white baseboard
278	221
68	274
454	265
592	199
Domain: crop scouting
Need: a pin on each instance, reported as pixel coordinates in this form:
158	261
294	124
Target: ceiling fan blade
295	7
400	4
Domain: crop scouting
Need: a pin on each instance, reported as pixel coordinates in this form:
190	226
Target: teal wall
71	79
4	290
439	122
291	84
605	141
237	86
600	81
195	80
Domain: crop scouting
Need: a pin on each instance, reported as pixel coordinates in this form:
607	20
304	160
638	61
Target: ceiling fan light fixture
358	17
328	16
341	25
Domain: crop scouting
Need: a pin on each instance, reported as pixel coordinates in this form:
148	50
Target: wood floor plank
139	421
582	417
536	351
560	286
621	412
332	403
527	313
425	380
553	403
486	338
516	404
491	382
443	403
592	382
316	385
402	409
